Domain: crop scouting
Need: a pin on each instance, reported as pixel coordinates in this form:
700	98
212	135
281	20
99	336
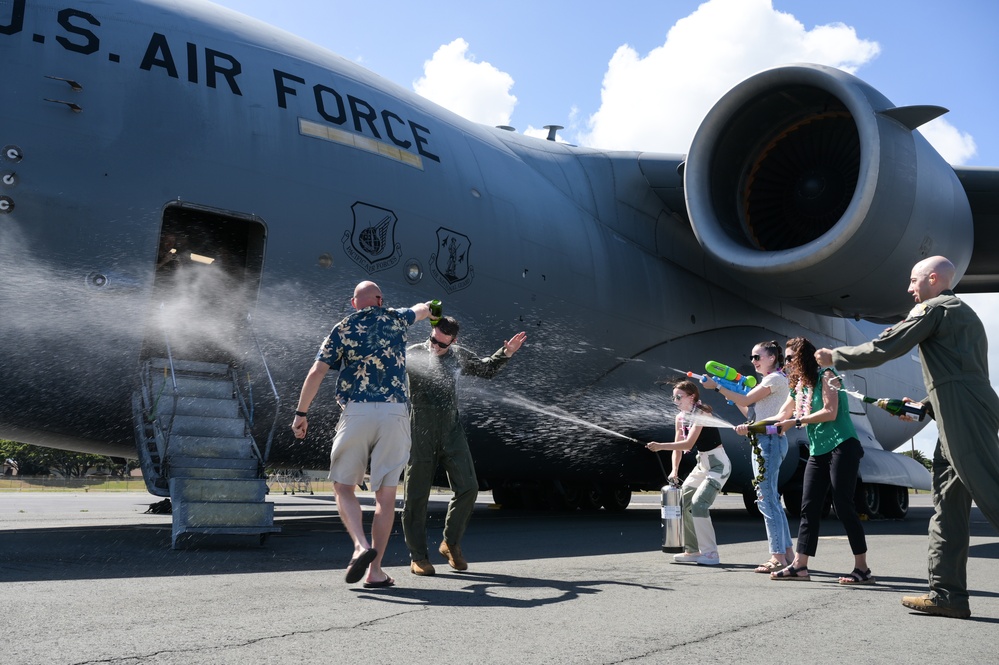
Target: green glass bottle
897	407
436	312
764	427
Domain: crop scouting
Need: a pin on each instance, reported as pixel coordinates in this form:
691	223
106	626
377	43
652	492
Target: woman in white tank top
763	402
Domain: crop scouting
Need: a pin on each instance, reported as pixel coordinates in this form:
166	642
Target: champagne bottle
436	312
897	407
764	427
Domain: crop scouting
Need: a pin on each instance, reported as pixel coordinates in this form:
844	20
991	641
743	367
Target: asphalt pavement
91	578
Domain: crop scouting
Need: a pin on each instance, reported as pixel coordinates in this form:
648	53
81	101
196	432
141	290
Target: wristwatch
797	423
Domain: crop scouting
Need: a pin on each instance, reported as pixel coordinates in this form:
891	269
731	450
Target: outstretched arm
422	310
487	368
740	400
512	345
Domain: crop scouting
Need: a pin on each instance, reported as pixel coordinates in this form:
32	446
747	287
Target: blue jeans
774	450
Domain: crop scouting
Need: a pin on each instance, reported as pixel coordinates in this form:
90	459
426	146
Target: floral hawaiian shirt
369	349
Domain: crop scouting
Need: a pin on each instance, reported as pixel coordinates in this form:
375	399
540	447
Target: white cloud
955	146
656	102
477	91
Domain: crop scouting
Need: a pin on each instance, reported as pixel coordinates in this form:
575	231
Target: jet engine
807	185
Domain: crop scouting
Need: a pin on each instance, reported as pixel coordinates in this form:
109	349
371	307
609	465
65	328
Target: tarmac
91	578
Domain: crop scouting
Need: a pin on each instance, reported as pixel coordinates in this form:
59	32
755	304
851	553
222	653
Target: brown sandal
771	566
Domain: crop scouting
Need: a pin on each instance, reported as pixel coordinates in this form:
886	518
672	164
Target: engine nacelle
806	184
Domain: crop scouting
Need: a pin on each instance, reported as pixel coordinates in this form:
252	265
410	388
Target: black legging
838	467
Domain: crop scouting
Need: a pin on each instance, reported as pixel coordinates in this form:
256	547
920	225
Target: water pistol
726	377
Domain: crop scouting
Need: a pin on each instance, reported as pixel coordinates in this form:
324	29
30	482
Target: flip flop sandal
357	566
384	584
858	576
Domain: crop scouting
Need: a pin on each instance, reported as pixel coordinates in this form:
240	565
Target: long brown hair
776	349
802	367
690	388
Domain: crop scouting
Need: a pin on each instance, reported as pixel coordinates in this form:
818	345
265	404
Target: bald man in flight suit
953	349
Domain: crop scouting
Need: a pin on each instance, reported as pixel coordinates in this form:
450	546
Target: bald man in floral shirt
368	348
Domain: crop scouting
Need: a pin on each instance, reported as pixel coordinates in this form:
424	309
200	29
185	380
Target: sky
641	74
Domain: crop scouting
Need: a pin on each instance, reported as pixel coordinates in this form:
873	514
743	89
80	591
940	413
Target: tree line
32	460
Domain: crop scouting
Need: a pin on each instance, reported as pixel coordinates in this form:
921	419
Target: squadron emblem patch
371	243
450	264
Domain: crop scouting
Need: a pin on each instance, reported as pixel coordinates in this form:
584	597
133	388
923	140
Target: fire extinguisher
672	517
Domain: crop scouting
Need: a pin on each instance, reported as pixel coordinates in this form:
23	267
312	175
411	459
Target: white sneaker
686	557
709	559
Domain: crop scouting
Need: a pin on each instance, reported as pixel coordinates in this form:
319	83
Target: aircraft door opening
207	276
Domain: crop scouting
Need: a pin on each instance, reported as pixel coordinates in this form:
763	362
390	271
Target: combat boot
453	555
928	604
423	567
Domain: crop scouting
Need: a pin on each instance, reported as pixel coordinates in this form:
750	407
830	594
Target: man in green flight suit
953	350
438	437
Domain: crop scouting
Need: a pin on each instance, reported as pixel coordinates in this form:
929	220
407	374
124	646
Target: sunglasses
789	357
677	398
755	356
443	345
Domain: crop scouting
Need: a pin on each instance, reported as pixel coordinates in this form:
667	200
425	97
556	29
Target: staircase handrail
248	410
173	382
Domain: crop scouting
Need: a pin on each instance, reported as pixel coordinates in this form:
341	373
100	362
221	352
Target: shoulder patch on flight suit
918	311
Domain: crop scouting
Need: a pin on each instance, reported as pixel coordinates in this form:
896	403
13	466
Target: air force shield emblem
450	265
371	243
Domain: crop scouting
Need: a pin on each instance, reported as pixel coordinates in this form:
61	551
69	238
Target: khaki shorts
375	431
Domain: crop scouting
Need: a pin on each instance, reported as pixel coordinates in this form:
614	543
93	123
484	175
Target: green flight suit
438	437
953	349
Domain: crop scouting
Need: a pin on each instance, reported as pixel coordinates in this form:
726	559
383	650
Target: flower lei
802	400
760	462
684	426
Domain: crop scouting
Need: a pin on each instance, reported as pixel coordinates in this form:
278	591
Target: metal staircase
193	434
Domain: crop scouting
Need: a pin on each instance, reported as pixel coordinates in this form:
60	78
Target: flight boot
453	555
423	568
930	605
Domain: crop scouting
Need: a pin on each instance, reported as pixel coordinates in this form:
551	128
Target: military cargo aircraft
188	197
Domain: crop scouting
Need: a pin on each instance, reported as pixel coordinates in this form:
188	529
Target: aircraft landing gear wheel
615	498
868	498
792	500
590	498
570	495
894	501
508	498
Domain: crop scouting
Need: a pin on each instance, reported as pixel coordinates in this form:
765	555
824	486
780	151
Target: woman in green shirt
817	402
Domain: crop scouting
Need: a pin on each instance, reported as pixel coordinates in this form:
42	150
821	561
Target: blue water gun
726	377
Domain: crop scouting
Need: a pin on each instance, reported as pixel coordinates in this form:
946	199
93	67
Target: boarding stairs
194	437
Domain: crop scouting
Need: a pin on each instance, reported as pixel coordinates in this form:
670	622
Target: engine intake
805	184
